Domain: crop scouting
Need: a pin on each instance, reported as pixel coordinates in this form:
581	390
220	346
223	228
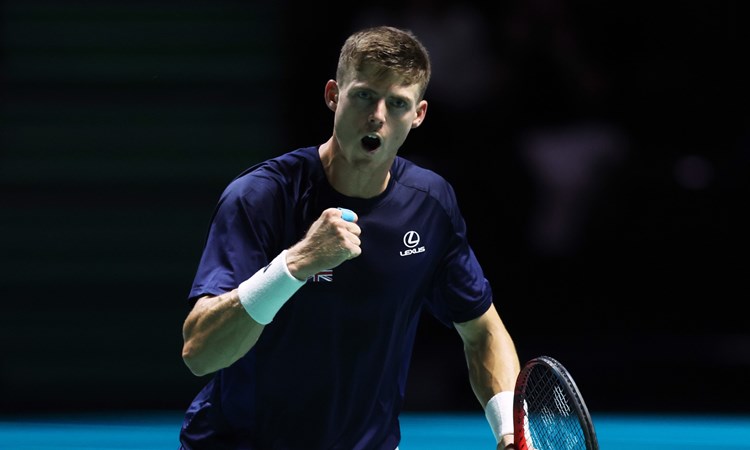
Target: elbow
192	359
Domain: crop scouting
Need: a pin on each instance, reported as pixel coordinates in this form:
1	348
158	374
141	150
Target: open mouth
371	142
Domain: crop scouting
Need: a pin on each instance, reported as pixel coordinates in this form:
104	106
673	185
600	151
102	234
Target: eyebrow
404	98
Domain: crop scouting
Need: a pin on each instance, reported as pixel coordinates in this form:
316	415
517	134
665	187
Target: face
373	117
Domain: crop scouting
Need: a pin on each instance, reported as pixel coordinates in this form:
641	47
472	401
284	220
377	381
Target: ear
421	113
331	94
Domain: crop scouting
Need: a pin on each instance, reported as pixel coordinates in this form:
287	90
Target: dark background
600	151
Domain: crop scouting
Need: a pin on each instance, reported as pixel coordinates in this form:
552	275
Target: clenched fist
330	241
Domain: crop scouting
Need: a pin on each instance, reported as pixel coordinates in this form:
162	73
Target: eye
363	95
399	103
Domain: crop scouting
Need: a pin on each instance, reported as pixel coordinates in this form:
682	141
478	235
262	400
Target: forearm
217	332
490	373
493	368
492	362
220	330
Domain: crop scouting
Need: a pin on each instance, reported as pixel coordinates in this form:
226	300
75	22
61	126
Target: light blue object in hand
347	214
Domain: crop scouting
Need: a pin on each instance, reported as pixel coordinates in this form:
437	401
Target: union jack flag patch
323	275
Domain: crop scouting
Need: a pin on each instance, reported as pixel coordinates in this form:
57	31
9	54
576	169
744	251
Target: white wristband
499	413
263	294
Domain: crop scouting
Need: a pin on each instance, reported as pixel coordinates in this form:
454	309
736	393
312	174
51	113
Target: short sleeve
239	241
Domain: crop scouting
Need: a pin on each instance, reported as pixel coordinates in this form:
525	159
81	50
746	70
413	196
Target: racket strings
553	423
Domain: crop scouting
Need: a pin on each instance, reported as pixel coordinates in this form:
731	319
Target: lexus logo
411	239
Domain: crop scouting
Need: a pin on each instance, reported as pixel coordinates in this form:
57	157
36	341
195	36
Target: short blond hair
391	50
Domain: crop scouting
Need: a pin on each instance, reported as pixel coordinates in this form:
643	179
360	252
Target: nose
377	117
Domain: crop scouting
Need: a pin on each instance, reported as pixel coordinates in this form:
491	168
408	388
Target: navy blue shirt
329	372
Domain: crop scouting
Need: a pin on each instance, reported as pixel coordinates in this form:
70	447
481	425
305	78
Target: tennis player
316	268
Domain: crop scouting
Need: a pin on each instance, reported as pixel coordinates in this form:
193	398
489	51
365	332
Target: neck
351	180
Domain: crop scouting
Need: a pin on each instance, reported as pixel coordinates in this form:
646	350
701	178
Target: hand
330	241
506	443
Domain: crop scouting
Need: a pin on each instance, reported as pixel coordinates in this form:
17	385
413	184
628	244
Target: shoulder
279	173
413	176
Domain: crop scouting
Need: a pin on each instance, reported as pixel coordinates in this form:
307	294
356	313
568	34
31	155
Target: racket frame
571	389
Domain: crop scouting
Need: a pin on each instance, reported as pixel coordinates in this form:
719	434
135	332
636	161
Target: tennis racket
548	409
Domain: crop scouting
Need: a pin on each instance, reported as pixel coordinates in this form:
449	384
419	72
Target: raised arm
221	329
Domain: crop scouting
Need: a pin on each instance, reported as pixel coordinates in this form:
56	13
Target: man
317	266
